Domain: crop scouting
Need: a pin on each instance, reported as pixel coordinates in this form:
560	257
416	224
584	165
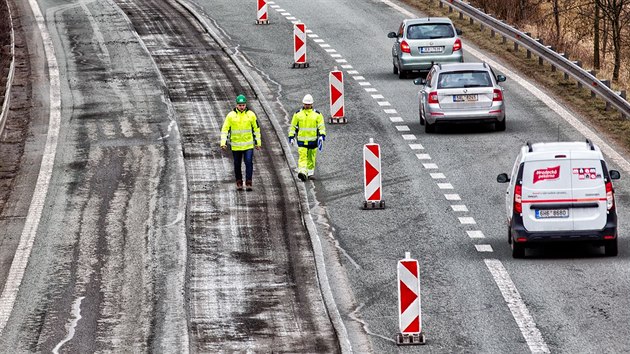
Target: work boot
310	174
248	183
302	176
239	185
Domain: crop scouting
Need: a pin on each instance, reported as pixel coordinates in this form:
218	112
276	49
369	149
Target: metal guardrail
7	91
544	52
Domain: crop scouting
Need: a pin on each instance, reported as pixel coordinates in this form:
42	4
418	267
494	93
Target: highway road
144	245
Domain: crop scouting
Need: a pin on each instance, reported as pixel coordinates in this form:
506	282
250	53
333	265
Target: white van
560	192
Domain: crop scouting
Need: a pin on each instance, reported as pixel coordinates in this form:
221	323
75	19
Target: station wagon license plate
431	49
465	98
552	213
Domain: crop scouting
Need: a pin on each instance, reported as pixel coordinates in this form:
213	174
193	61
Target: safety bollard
409	307
299	46
337	108
372	176
262	16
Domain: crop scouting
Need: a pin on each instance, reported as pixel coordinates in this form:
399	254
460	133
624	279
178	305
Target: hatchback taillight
404	47
610	196
433	97
457	45
518	205
497	95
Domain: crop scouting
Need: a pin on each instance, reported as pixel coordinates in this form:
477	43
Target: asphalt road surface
144	245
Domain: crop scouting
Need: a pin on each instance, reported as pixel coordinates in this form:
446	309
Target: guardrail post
440	4
529	52
461	15
607	84
504	40
450	9
515	46
622	93
471	20
553	67
540	59
579	64
592	72
492	33
566	56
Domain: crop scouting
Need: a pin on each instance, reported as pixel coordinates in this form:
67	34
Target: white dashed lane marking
483	248
341	60
335	55
452	197
324	45
467	220
318	40
291	18
445	186
330	50
409	137
275	6
402	128
358	77
395	119
312	35
413	146
384	103
285	14
459	208
391	111
347	66
475	234
423	156
437	176
352	72
430	166
309	31
280	10
294	22
365	83
378	97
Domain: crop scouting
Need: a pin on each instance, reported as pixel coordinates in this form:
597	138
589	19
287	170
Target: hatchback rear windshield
462	79
430	31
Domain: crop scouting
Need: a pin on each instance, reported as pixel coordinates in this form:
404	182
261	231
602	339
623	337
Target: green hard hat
240	99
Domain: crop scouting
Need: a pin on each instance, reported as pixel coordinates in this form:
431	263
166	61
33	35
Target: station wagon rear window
464	79
430	31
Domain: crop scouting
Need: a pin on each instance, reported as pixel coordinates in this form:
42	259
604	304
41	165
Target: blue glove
291	140
320	143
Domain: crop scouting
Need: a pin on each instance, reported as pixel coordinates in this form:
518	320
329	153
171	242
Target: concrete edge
307	219
7	92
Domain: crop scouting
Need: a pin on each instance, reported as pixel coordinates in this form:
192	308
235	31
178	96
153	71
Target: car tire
509	235
518	250
610	248
500	125
422	120
402	73
429	128
395	70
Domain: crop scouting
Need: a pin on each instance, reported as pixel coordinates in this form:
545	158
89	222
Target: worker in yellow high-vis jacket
311	133
242	127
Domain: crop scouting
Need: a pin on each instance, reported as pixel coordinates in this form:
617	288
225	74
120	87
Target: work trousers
249	164
306	160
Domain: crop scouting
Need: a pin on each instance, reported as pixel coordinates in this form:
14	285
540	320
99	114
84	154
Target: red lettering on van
548	173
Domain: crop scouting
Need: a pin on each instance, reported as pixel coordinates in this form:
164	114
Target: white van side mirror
614	174
503	178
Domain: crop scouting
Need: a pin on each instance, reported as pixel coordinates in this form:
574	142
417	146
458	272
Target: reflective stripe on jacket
243	130
309	125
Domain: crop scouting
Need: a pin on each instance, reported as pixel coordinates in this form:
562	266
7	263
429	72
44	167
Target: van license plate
431	49
552	213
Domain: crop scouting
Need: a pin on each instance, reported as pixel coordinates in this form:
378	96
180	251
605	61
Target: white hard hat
308	99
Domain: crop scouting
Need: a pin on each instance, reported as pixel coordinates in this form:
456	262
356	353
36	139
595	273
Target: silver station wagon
422	42
461	93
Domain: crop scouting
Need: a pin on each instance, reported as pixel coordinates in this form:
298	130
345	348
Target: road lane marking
358	77
390	111
291	18
324	45
467	220
312	35
335	55
423	156
370	89
452	197
378	97
484	248
437	175
475	234
31	223
412	146
459	207
330	50
318	40
346	66
445	186
285	14
402	128
409	137
516	305
341	61
364	83
395	119
430	166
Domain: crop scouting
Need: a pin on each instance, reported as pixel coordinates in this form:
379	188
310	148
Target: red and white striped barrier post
337	107
372	176
409	311
262	16
299	46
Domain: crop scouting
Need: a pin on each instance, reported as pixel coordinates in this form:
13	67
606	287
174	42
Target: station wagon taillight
497	95
433	97
457	45
518	205
610	196
404	47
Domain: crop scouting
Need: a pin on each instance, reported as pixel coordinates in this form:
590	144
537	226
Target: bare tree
596	19
617	15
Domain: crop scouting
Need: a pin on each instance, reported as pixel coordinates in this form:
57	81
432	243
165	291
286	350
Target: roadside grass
566	92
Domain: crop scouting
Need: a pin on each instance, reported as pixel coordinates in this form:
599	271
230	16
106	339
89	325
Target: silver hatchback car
424	41
461	93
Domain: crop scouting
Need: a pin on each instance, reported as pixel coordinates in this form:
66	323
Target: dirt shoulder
5	47
566	92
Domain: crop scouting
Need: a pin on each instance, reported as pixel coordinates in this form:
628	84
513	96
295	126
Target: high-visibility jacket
243	130
309	125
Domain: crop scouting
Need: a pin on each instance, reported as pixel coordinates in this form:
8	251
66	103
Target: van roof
548	151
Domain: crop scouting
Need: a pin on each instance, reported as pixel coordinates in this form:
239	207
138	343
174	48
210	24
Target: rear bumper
424	63
479	116
534	238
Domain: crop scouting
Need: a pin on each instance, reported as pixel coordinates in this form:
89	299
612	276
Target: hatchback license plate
552	213
465	98
431	49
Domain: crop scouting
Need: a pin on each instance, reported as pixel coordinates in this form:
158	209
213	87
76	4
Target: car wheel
610	248
500	125
509	235
395	70
518	250
402	73
428	127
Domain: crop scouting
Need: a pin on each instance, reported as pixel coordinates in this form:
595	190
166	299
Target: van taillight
518	205
404	47
498	95
433	97
457	45
610	196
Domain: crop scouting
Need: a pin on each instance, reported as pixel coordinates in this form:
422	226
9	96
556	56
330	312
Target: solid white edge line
31	224
561	111
320	264
516	305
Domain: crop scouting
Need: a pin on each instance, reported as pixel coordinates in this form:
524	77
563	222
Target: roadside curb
307	219
7	91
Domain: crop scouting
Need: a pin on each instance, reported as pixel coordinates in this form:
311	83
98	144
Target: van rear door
589	194
546	195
